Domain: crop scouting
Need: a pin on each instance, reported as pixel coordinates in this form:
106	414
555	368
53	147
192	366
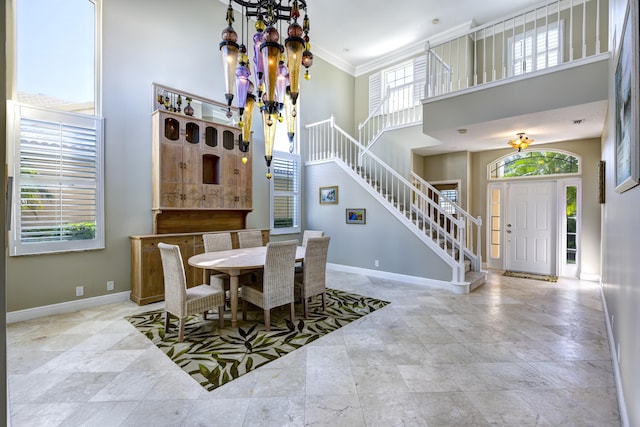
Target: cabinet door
191	176
170	174
245	183
230	168
212	196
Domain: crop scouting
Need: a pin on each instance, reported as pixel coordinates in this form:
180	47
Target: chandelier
276	76
520	142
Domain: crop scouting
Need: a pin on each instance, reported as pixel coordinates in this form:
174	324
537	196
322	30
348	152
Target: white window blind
57	182
527	55
375	91
285	190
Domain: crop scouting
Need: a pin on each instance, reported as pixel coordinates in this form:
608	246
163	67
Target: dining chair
305	237
311	281
182	301
276	287
310	233
214	242
250	238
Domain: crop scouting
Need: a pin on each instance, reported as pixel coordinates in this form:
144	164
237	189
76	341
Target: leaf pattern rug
213	357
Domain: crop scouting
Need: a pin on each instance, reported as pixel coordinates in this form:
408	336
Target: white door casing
531	227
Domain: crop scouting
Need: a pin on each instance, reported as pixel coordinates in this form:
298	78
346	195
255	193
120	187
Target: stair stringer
457	286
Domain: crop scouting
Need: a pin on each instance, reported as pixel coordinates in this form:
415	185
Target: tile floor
514	353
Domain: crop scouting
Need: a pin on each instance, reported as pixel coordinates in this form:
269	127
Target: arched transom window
535	163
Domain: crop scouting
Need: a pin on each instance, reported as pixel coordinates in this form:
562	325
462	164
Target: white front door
531	227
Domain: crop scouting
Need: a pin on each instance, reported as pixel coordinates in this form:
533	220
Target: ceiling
359	35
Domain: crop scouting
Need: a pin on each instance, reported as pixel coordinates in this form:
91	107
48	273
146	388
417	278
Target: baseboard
622	406
66	307
590	277
422	281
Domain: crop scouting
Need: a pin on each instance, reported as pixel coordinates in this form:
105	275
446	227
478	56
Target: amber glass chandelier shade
247	117
270	51
294	45
269	121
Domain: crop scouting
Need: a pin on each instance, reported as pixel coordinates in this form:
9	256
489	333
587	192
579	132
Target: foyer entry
530	227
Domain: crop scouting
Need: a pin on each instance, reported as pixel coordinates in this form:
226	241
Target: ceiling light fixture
276	77
521	141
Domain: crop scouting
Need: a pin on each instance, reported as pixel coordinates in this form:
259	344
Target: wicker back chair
250	238
180	300
276	287
311	281
214	242
307	234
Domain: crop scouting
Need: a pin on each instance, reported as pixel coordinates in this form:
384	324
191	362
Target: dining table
234	262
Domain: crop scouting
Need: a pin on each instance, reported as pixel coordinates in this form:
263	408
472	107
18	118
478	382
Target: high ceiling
356	35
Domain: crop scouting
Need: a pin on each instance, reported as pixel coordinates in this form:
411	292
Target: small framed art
329	195
356	216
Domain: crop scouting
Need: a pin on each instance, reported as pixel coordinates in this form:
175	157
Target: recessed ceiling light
578	121
435	21
462	131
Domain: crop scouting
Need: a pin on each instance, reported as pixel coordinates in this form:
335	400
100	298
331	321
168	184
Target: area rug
520	275
214	358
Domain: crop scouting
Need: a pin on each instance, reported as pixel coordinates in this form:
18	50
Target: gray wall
447	167
382	237
620	259
137	52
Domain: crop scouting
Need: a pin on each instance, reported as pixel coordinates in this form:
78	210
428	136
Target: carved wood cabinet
196	164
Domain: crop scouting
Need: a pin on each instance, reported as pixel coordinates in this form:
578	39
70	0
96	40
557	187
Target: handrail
400	106
439	229
486	53
471	222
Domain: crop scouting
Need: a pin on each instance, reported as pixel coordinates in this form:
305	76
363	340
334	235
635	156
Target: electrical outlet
110	285
79	291
376	263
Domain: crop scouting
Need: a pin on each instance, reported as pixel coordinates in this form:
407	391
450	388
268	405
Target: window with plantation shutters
285	193
536	49
57	182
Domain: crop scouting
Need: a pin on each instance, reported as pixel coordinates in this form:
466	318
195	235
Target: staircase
454	237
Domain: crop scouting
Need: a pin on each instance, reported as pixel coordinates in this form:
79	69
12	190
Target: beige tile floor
514	353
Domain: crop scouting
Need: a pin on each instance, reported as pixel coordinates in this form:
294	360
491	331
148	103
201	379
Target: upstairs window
536	49
400	87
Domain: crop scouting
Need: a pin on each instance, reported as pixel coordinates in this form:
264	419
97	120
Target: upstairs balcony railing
537	39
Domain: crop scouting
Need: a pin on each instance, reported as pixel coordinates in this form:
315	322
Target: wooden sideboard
147	281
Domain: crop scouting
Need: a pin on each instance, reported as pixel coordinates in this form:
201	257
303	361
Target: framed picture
329	195
626	104
356	216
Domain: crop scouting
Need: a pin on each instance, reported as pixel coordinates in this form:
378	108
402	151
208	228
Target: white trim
558	176
458	288
590	277
413	49
66	307
622	406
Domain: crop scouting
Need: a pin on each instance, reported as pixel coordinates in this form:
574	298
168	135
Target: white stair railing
565	31
444	233
401	106
472	225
